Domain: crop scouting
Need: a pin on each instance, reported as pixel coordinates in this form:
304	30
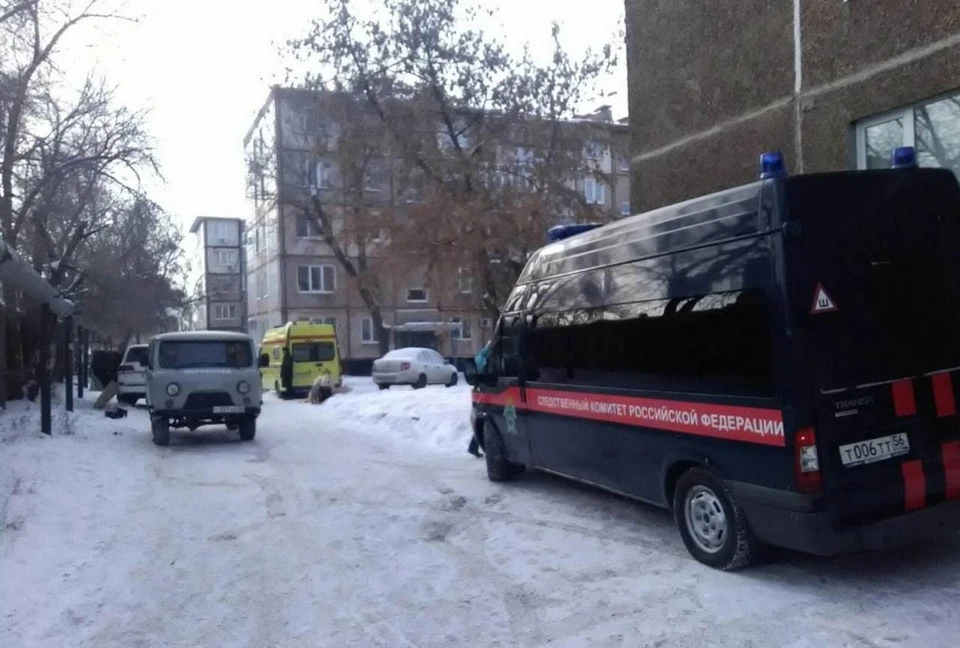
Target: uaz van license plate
873	450
227	409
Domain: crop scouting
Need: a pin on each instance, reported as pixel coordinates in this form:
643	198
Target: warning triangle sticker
822	302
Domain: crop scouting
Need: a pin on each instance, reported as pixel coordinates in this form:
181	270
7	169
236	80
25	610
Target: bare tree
479	129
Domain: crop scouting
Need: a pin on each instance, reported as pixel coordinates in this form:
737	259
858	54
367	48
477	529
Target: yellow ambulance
314	353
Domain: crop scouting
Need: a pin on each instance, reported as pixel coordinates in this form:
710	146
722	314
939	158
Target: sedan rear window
134	355
178	354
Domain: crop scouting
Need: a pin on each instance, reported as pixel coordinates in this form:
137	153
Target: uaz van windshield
205	354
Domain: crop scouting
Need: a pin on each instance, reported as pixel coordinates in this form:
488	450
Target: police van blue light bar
560	232
903	157
772	165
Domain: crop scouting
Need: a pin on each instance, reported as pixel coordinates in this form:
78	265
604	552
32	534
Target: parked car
202	378
415	367
132	375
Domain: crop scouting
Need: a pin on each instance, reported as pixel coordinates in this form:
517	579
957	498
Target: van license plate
873	450
227	409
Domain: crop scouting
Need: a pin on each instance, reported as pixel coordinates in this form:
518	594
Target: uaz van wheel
383	386
498	468
421	382
248	429
161	431
711	523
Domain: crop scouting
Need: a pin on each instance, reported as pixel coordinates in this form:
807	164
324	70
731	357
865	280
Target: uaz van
776	363
197	378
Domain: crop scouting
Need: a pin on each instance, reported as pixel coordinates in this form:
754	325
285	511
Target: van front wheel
498	468
161	431
248	429
711	523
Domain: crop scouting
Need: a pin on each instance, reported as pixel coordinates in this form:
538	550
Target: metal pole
78	359
68	361
85	364
43	372
4	373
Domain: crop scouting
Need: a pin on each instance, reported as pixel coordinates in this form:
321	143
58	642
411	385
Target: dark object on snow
30	390
104	365
115	413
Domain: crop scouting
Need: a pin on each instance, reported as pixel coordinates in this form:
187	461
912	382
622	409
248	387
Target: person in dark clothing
286	371
474	448
481	363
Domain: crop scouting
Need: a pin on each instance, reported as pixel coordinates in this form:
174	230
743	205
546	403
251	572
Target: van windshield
186	354
313	351
885	247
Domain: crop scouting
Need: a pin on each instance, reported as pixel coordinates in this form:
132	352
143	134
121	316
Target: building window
224	311
227	257
261	283
368	333
625	164
461	332
464	281
931	127
416	295
306	227
316	279
625	209
219	231
324	175
595	192
594	150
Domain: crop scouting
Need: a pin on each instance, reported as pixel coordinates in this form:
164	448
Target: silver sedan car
415	367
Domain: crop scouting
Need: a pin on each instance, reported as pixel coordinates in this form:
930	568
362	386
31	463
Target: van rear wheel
711	523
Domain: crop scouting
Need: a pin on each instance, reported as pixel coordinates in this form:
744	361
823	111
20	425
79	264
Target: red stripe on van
951	468
943	394
731	422
914	485
904	401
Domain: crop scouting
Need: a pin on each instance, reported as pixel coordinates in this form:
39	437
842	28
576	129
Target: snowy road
331	529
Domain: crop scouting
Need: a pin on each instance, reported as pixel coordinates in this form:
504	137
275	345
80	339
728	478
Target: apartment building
834	84
220	300
293	275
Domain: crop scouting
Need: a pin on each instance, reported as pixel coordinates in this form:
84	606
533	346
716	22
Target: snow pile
435	417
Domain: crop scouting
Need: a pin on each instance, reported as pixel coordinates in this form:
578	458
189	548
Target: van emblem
822	302
510	414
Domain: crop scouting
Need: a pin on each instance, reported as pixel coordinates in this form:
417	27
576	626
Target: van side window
718	342
505	354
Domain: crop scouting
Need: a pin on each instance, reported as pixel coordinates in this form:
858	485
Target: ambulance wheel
711	523
498	468
161	431
383	386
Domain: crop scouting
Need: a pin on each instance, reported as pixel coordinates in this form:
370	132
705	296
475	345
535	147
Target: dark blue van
774	362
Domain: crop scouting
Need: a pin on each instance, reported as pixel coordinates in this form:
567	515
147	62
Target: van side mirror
264	360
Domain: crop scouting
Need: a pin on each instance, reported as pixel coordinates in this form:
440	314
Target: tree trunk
383	335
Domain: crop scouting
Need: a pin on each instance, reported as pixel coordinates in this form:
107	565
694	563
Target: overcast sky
204	68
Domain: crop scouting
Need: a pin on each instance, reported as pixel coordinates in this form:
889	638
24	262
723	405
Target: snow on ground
363	522
436	418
